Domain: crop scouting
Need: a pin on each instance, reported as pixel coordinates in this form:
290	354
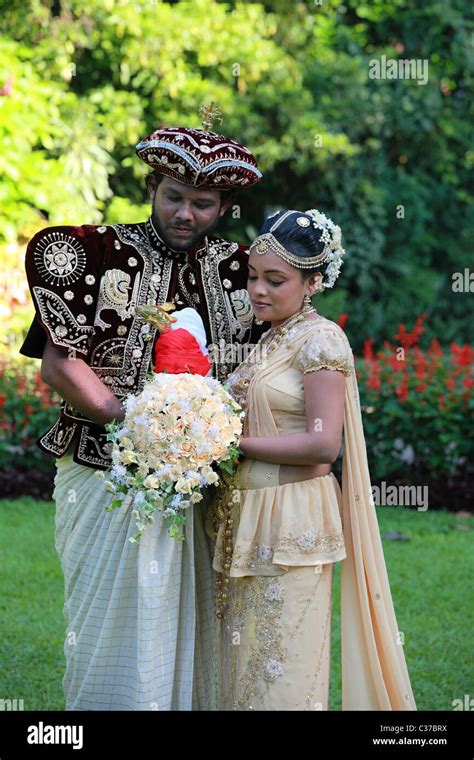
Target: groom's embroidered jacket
85	283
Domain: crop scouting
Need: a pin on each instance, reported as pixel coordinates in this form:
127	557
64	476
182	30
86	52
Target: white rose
129	457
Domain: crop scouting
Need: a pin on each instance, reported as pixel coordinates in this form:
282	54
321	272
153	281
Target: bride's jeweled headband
330	237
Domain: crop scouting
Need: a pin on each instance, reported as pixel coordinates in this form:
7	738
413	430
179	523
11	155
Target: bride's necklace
274	336
268	344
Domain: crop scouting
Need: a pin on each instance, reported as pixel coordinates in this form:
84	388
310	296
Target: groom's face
183	214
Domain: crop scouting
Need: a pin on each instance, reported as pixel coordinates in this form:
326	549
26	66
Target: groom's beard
194	241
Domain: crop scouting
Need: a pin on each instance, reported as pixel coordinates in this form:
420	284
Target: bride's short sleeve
326	348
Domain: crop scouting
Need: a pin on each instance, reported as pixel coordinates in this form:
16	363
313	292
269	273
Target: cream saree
374	672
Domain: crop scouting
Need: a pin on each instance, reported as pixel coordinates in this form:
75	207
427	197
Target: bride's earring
307	301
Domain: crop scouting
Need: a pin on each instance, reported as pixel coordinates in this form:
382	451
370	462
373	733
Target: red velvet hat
199	158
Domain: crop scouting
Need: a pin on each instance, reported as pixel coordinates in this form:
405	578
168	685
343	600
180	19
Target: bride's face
276	289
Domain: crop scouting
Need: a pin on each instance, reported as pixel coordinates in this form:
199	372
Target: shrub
417	405
27	408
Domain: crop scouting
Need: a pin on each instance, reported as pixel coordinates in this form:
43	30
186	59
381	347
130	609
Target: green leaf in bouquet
227	466
175	527
114	504
111	427
230	462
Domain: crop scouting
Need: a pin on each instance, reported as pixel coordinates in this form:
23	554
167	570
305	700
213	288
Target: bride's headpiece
330	238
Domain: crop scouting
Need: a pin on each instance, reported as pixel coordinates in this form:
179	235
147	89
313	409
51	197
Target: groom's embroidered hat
199	158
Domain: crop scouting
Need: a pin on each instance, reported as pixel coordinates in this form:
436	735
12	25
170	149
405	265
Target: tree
387	159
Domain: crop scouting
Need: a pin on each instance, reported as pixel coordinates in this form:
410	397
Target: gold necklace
276	334
267	345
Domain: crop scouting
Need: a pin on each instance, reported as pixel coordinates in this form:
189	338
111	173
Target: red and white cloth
182	346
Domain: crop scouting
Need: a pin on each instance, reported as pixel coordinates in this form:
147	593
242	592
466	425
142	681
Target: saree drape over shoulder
299	529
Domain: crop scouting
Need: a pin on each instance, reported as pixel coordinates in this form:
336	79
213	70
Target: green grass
32	626
430	576
431	581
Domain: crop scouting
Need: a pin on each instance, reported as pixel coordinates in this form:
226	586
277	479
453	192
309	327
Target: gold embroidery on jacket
114	295
61	321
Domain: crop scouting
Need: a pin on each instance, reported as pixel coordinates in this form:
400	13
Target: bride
282	521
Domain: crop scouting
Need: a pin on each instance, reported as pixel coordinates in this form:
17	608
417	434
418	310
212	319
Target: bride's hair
306	235
304	242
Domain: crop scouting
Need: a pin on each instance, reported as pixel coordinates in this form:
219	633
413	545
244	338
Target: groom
86	281
135	641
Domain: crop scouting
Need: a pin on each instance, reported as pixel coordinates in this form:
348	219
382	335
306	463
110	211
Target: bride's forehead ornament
302	221
330	238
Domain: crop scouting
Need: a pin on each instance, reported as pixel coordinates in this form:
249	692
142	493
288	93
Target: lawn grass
430	576
431	581
32	626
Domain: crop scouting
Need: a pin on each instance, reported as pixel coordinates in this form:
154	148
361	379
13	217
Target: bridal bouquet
163	452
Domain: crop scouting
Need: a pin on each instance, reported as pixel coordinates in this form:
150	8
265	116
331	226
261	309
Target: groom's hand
77	384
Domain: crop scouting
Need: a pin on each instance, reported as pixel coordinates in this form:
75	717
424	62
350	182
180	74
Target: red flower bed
27	408
417	403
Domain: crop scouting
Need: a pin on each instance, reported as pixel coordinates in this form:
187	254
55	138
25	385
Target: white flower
141	419
116	455
155	497
151	482
331	237
129	457
183	485
119	472
203	449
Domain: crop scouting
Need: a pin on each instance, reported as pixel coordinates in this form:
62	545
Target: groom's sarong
139	616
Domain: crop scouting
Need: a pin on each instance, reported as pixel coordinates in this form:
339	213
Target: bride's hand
241	444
